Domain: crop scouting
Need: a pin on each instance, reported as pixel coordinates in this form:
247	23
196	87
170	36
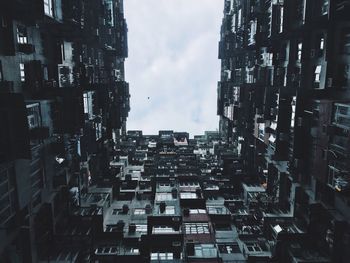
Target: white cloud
173	46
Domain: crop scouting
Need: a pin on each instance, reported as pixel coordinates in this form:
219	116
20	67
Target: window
170	210
294	102
269	59
189	184
22	37
272	139
324	8
300	50
250	75
87	103
285	78
253	26
22	72
234	23
189	195
162	256
281	20
341	115
48	7
139	211
318	73
33	115
261	128
197	228
322	43
198	211
253	247
163	230
239	22
106	251
141	228
164	196
98	129
217	210
205	251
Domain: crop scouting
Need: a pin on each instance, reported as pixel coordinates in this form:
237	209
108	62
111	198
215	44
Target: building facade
64	102
283	103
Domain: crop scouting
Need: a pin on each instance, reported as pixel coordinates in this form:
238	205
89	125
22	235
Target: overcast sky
172	66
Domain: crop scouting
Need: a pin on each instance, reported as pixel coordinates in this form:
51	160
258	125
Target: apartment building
64	99
283	105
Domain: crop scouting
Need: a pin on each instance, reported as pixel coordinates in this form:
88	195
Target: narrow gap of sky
173	65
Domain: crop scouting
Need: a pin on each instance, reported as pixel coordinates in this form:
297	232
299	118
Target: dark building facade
283	102
64	103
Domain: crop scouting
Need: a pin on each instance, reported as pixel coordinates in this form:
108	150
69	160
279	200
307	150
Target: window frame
139	211
162	256
196	228
22	34
22	72
48	7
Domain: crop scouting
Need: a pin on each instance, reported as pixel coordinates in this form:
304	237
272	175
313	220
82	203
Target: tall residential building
284	107
63	99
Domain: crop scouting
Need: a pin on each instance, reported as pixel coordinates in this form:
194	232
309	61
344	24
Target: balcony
338	179
342	116
65	74
339	143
